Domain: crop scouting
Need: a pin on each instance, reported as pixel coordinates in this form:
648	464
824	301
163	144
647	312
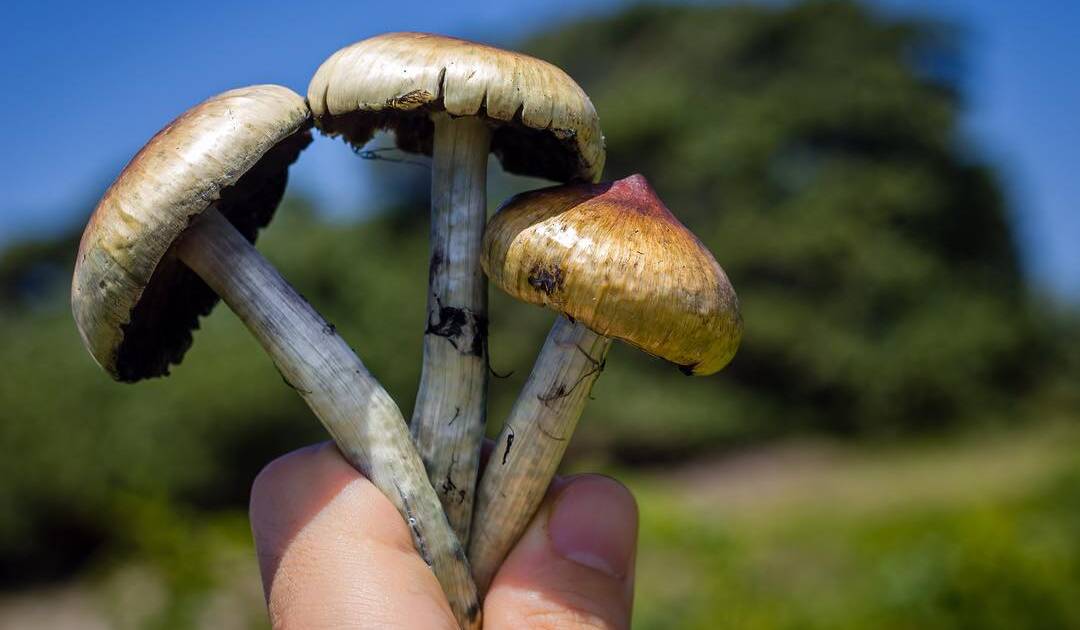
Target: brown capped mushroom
616	264
174	232
458	101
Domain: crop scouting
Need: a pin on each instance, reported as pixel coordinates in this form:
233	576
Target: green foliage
815	149
995	548
986	559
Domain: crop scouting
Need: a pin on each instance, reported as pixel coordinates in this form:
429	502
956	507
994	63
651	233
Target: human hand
333	552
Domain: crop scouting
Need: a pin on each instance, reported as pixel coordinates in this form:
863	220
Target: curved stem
449	416
362	418
533	441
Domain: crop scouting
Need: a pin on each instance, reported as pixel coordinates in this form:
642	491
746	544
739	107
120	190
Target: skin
333	553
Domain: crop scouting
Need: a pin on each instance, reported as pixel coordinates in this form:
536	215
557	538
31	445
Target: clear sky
88	83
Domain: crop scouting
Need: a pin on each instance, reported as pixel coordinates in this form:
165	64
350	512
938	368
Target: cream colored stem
364	421
532	442
450	413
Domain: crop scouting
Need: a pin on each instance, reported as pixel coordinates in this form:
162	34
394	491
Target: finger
333	551
574	566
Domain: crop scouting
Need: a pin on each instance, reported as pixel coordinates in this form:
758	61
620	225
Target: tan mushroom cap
544	125
612	257
135	304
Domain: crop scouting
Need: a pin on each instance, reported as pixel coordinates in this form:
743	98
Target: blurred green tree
816	149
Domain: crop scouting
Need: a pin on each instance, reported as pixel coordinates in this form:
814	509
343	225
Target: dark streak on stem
509	443
414	525
457	413
448	486
558	390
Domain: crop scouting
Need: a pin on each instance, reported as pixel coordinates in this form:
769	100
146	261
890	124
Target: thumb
574	566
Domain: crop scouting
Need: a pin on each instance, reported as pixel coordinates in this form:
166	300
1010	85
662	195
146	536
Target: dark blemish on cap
548	279
410	100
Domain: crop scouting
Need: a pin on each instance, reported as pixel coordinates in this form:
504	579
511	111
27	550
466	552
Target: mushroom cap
134	303
544	125
612	257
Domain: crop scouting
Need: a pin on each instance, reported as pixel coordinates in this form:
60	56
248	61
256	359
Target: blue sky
88	83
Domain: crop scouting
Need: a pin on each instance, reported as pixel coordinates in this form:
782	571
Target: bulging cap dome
544	125
612	257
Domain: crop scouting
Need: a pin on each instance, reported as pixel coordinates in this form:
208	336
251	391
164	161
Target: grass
979	533
969	532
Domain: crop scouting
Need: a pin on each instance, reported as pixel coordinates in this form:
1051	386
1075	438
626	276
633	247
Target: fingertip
575	563
333	550
594	523
287	493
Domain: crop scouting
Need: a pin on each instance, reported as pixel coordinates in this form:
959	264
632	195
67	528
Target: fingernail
594	523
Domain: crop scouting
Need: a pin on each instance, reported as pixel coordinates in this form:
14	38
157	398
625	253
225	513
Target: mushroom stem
533	441
450	412
312	358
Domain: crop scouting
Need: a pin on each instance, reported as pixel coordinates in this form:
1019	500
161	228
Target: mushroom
616	264
174	232
457	101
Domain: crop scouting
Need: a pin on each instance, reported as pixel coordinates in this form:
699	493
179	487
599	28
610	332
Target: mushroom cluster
175	232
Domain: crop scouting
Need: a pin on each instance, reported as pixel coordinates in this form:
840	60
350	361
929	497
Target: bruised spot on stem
464	329
435	265
547	279
448	488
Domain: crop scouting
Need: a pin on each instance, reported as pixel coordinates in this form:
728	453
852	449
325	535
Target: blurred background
891	187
